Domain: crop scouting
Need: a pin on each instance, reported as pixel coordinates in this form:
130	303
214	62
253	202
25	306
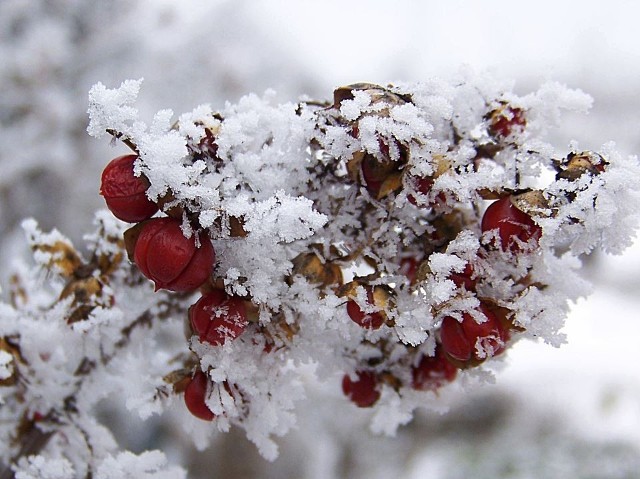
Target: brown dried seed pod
131	237
382	296
87	294
377	93
532	203
169	204
311	267
15	353
577	164
63	257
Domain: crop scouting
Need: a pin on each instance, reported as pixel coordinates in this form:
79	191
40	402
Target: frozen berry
471	341
381	176
171	260
419	187
364	391
125	193
515	227
409	268
195	394
217	317
422	186
432	372
465	278
506	120
378	298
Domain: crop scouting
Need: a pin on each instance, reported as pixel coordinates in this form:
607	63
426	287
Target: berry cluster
429	240
175	262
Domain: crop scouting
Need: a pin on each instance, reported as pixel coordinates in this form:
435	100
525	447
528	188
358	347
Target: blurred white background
567	412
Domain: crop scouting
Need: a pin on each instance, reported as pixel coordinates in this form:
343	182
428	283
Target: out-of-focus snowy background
553	413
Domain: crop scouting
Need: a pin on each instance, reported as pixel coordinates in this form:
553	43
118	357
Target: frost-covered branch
399	239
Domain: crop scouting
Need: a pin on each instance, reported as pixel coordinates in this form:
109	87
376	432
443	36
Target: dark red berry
514	226
125	193
375	171
464	279
409	268
432	372
195	394
377	297
169	259
472	341
506	120
217	317
364	391
422	186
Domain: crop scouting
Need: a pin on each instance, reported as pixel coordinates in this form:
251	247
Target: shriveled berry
364	391
379	298
514	226
195	394
169	259
125	193
217	317
432	372
470	341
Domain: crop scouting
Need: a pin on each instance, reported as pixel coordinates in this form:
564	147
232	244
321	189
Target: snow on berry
217	317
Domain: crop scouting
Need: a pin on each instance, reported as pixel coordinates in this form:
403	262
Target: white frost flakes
147	465
6	365
112	108
390	414
443	264
161	123
41	467
162	159
352	109
281	216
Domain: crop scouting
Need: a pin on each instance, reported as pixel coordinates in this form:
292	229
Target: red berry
513	225
169	259
421	186
409	268
376	171
363	392
125	193
217	317
195	394
472	341
377	297
464	278
506	120
432	372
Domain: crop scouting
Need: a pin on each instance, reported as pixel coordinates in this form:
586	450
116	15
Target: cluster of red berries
163	254
475	336
379	176
462	343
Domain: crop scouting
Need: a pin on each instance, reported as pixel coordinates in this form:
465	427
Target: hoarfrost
40	467
147	465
